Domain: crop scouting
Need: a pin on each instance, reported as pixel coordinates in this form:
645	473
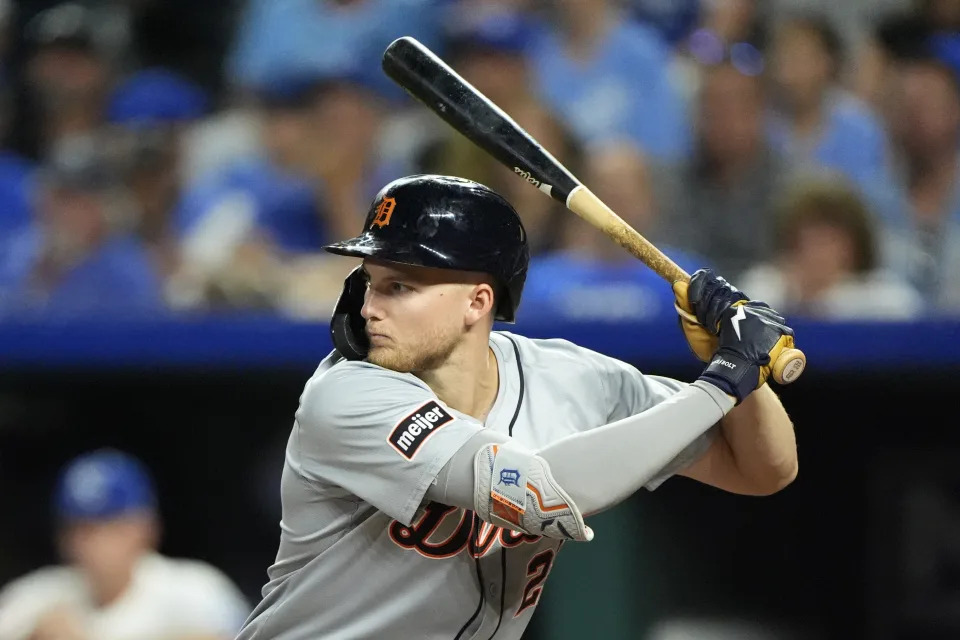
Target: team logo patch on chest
411	432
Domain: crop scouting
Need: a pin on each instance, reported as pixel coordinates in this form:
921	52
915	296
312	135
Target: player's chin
388	358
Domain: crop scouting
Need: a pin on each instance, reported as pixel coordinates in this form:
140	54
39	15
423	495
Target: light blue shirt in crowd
295	37
853	141
624	90
116	280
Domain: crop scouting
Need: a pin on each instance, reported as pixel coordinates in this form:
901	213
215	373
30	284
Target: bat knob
789	365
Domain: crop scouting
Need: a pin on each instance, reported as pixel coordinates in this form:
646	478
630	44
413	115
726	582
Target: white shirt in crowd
167	598
877	295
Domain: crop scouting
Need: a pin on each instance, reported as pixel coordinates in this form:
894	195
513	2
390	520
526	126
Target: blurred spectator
313	180
827	260
895	37
816	123
115	585
920	202
487	49
487	46
717	205
607	77
726	31
151	113
330	37
77	257
593	278
68	74
928	28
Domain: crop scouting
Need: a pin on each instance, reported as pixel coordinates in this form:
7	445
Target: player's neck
468	380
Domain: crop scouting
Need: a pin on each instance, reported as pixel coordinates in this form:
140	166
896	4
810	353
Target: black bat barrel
431	81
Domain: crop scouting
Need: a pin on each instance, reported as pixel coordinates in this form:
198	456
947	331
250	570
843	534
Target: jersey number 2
537	570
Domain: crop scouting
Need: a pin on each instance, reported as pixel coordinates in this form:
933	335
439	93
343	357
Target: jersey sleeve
381	435
628	392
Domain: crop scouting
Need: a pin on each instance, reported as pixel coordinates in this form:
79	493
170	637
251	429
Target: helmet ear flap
347	326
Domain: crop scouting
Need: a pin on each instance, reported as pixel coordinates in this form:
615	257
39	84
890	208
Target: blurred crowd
182	158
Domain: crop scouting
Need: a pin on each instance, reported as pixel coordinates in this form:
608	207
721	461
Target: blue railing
252	342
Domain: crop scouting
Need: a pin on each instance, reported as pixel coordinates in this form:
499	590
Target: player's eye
398	287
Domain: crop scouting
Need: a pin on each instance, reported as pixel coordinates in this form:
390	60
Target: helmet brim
366	245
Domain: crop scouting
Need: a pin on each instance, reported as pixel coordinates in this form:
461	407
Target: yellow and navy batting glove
751	338
700	303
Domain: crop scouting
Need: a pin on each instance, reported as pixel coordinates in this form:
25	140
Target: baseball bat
434	83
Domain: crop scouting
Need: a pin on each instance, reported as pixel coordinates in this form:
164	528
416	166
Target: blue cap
103	484
155	96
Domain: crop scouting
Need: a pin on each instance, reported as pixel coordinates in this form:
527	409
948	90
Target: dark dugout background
866	542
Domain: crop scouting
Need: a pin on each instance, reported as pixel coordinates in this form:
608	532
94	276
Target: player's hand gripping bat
430	80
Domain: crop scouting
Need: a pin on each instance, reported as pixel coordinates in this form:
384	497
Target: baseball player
436	467
116	586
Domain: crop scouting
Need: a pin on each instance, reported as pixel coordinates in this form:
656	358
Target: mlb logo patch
411	432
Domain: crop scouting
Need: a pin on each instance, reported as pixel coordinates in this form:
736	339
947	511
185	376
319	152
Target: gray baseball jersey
361	556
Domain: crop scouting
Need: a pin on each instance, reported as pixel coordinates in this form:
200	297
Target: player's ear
481	303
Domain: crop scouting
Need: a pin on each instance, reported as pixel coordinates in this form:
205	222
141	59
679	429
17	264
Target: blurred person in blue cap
114	584
488	46
590	278
242	226
151	114
77	257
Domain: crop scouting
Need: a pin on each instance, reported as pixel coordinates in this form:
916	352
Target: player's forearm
601	467
762	442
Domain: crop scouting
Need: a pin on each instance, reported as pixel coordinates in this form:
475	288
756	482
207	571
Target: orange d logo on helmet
384	211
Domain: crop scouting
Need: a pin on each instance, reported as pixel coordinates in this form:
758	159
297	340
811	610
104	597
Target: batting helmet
435	221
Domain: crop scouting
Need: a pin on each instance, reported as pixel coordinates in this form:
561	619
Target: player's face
415	316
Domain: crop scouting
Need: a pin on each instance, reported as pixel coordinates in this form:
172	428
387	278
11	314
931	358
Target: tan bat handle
588	206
